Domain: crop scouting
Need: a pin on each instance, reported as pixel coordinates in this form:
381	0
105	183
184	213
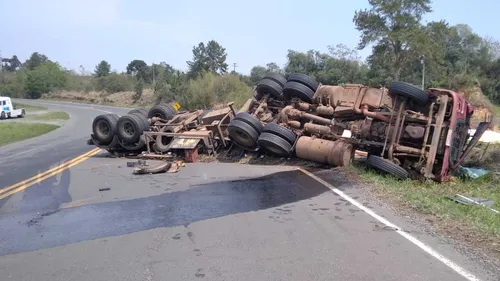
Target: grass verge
431	198
13	132
28	107
54	115
470	223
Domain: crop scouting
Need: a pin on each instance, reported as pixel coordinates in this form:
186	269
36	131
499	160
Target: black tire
130	128
243	134
141	111
268	86
104	128
134	147
23	113
2	115
163	111
250	120
276	77
281	132
296	89
274	144
409	91
171	106
387	166
144	120
162	143
304	80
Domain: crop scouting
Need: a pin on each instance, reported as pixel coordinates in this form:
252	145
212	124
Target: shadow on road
25	233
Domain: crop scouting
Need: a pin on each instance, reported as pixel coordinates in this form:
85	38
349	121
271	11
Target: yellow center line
47	174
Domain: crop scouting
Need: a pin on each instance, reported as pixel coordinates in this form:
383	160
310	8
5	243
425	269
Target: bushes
115	83
211	89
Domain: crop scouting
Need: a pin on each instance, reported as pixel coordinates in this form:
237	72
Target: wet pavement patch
166	210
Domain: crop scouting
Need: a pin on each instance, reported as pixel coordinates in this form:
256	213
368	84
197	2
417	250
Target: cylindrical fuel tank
336	153
317	129
352	95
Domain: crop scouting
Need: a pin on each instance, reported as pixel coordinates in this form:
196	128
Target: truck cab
7	109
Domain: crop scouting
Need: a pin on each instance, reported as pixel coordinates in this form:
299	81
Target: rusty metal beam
438	126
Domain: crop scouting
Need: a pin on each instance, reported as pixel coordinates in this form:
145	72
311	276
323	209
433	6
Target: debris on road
137	163
160	168
104	188
401	130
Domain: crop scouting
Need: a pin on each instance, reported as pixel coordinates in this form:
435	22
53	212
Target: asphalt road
214	221
25	159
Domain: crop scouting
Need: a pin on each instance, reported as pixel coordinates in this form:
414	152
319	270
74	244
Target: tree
35	60
273	67
102	69
12	64
208	58
140	70
394	27
257	73
45	78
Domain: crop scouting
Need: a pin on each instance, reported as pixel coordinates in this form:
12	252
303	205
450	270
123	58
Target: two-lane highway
29	158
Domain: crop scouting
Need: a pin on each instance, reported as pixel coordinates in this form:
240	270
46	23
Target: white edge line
469	276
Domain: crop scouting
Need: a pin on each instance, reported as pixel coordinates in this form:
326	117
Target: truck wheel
281	132
130	128
141	111
268	86
144	120
296	89
387	166
104	128
250	120
274	144
22	114
243	134
135	147
409	91
163	111
304	80
276	77
162	142
2	115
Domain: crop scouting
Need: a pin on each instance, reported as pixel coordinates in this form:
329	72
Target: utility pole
422	61
234	66
153	74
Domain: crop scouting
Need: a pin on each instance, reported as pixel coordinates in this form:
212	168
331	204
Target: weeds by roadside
13	131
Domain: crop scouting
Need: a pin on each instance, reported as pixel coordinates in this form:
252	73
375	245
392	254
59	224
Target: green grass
12	132
28	107
431	198
54	115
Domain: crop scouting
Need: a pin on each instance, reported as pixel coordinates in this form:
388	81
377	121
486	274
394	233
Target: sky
84	32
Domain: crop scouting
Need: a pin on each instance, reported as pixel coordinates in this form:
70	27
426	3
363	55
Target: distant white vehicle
7	109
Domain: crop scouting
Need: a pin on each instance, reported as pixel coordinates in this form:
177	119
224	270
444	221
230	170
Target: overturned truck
406	131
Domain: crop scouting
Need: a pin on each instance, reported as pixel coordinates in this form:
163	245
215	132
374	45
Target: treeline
402	49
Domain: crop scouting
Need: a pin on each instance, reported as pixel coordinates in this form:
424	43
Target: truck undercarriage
405	131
